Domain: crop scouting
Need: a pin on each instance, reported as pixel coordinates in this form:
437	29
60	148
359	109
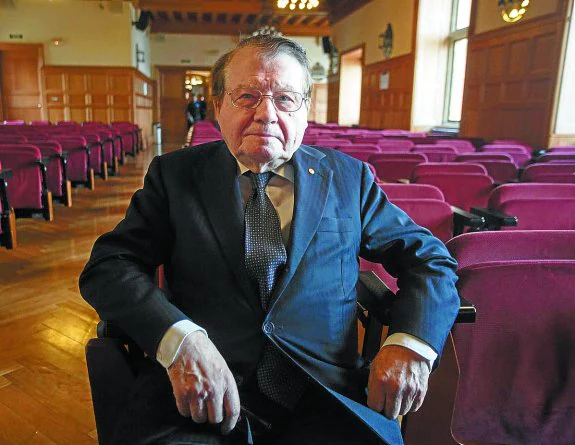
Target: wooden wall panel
511	79
104	94
333	98
390	108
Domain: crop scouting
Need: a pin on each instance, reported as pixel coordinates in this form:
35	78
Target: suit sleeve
427	301
118	280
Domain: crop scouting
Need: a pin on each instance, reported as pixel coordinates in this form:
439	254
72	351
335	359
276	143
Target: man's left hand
397	381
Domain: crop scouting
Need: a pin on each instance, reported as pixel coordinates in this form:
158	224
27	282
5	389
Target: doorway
351	70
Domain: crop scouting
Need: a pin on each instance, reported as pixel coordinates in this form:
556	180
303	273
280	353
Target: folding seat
56	170
392	144
516	381
463	190
392	167
97	155
361	147
557	157
79	168
13	139
564	149
500	170
27	188
462	145
446	167
131	137
331	142
39	123
411	191
549	172
520	154
37	136
481	156
530	206
109	148
7	218
437	153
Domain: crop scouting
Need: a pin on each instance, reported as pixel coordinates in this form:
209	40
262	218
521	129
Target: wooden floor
44	323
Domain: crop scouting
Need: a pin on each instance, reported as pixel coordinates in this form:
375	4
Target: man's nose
266	111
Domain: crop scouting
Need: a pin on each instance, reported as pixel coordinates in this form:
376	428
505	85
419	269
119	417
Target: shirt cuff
415	344
172	341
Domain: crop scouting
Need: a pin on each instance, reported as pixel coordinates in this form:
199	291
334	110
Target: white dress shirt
281	191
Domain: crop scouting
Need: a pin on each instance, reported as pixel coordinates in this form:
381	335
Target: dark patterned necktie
265	259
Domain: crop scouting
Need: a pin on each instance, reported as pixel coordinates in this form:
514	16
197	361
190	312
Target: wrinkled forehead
250	67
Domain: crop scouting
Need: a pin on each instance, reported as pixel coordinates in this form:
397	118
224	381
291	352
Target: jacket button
268	327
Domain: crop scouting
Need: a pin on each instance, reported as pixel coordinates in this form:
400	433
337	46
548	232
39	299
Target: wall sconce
57	41
513	10
386	41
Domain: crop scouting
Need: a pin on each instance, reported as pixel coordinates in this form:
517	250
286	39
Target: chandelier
267	30
513	10
300	4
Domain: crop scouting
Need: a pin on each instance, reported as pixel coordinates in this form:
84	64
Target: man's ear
216	103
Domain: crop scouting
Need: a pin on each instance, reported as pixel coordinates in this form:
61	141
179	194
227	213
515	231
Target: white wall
365	25
203	50
142	39
565	123
91	33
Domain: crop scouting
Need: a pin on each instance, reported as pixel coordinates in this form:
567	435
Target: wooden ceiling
233	17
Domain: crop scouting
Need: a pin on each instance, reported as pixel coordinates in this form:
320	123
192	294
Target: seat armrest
6	173
462	219
494	219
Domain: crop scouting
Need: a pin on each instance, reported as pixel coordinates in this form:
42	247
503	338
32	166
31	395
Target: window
457	41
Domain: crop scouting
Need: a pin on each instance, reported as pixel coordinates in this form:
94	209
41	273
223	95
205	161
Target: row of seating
42	162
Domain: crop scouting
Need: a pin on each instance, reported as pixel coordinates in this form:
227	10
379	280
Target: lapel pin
311	171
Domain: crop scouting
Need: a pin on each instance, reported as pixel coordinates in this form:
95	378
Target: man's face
262	138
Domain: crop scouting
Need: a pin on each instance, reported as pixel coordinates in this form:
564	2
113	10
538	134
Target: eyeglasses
249	99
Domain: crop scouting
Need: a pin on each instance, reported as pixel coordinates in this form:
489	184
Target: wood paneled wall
333	97
511	78
389	108
106	94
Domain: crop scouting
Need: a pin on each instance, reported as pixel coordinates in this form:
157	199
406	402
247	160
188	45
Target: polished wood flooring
45	323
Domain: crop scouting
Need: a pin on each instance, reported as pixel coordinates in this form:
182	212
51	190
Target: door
20	81
173	105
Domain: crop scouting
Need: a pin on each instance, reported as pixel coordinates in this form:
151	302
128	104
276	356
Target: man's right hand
203	385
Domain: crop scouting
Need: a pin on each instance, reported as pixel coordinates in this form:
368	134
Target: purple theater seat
97	158
391	144
391	167
521	155
411	191
557	157
564	149
462	145
478	157
13	139
437	153
56	171
540	213
27	188
80	170
507	192
131	137
499	170
516	383
332	142
7	219
435	215
462	190
447	167
545	172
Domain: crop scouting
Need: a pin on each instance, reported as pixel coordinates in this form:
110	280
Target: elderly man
260	238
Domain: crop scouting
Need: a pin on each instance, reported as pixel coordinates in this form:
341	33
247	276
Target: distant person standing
190	111
203	107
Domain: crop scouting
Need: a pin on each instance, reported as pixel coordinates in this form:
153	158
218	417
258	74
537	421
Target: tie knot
260	180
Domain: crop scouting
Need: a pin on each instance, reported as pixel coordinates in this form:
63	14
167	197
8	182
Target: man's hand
397	381
203	385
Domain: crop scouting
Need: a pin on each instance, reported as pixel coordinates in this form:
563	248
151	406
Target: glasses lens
245	98
288	100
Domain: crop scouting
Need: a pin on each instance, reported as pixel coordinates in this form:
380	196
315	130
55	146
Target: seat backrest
391	170
478	157
516	383
396	191
520	155
462	145
463	190
448	167
13	139
436	153
557	157
25	185
488	246
332	143
395	144
434	215
563	149
500	171
506	192
548	168
540	213
505	148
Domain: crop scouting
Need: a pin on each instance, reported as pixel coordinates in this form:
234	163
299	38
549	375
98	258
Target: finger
231	405
392	405
406	404
183	405
198	410
375	395
215	408
418	399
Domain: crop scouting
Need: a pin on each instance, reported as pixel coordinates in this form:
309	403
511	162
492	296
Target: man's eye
284	98
247	96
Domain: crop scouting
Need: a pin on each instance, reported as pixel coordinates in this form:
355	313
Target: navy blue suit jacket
189	217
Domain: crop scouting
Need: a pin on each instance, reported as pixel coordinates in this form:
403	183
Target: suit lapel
219	189
312	182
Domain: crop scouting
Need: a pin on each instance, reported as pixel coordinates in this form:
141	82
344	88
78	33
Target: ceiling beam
215	28
201	6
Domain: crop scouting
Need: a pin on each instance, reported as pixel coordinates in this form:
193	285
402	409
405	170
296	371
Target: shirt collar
285	170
